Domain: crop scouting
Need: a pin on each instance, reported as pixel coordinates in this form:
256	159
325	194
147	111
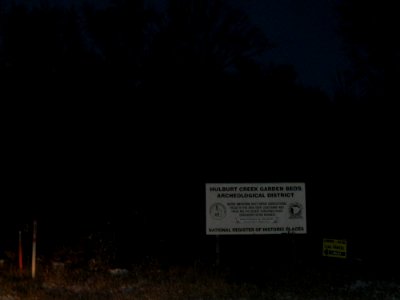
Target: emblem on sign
218	211
295	211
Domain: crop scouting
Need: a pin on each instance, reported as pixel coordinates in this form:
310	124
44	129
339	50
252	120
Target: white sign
255	208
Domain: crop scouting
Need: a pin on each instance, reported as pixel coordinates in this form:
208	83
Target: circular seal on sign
218	211
295	211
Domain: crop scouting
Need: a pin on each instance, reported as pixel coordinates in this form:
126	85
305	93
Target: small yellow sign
334	248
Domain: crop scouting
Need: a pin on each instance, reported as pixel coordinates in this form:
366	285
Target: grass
195	283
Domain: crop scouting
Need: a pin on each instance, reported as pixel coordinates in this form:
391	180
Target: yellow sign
334	248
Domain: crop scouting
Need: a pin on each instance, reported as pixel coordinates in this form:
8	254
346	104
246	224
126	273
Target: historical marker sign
255	208
334	248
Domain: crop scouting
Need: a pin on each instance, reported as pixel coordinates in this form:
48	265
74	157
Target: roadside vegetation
153	281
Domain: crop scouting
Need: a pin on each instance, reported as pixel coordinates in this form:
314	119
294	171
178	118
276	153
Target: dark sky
304	32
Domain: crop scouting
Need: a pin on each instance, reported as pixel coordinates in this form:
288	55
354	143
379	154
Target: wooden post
292	238
34	249
20	258
217	251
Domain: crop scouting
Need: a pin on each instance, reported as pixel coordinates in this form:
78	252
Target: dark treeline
182	83
200	50
123	110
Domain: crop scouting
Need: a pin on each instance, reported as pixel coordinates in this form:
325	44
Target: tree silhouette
44	53
369	87
118	33
201	69
369	33
368	115
197	42
200	104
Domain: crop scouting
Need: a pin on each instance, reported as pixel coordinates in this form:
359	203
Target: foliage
129	53
370	39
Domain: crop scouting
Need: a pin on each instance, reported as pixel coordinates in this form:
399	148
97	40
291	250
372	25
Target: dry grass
152	282
137	283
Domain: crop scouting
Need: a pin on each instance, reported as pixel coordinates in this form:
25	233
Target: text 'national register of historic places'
255	208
